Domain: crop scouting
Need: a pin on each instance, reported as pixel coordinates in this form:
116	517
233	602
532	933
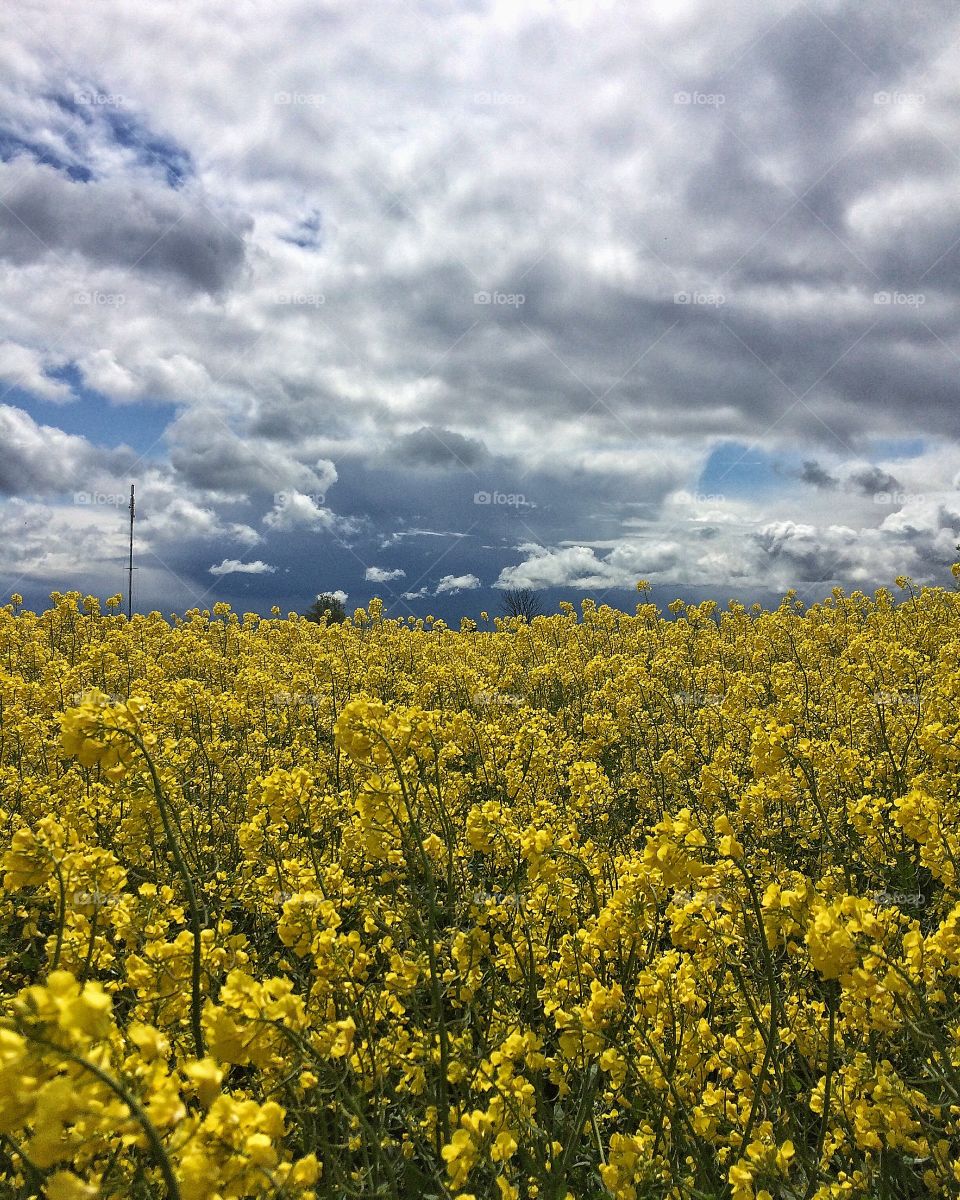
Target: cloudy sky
434	298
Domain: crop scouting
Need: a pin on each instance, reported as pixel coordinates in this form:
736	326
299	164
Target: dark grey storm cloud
430	446
208	455
131	226
806	559
815	475
871	481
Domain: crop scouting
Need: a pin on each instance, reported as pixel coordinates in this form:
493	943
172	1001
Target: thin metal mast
130	565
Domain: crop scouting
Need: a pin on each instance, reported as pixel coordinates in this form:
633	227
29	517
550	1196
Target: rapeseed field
602	905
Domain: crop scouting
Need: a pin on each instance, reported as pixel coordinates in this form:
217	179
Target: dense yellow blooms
600	906
99	732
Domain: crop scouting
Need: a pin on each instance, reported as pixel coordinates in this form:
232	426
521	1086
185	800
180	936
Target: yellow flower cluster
604	905
101	733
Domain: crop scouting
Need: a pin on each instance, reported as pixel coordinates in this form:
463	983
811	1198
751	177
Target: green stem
160	1155
184	872
828	1080
61	916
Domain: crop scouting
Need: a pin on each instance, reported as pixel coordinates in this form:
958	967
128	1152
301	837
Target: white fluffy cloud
452	584
392	256
294	510
170	515
569	566
24	367
233	566
44	544
448	585
382	574
43	459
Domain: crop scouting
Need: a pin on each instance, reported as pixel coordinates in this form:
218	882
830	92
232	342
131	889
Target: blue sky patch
12	146
734	468
152	151
92	416
897	448
308	234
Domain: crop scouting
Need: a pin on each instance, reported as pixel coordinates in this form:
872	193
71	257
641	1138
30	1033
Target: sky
431	300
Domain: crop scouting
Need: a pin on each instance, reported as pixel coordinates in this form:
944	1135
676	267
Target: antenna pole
130	564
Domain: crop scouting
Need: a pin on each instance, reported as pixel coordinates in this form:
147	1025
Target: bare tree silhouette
522	602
